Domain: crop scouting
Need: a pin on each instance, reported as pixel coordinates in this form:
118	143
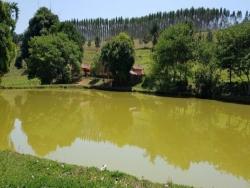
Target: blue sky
68	9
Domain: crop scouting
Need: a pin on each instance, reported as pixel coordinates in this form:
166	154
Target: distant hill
203	19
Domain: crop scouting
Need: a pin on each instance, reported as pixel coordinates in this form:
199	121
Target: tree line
202	18
187	63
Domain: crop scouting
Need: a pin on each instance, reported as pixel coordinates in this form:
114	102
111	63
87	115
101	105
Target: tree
72	32
54	59
7	26
7	10
209	36
146	39
43	23
233	47
97	42
154	33
89	43
202	18
173	50
206	74
118	56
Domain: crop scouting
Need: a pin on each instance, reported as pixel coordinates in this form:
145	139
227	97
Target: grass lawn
26	171
17	78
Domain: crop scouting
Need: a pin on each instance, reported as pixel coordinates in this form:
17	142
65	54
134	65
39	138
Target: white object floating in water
132	109
104	167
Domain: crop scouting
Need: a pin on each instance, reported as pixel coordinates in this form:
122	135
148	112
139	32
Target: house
137	70
86	68
136	73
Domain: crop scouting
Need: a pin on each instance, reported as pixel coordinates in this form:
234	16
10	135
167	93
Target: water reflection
191	141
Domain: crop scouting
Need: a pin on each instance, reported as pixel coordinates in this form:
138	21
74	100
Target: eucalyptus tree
202	18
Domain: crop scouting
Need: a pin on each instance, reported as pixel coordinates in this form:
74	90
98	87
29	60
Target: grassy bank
26	171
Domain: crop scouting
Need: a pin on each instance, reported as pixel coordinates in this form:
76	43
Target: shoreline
20	170
245	100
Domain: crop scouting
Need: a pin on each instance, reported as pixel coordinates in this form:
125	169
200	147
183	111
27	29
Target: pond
188	141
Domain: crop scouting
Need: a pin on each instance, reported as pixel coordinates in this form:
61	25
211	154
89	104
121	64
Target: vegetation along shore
181	59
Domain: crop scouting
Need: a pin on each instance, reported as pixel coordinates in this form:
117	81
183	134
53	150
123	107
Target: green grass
17	78
144	57
26	171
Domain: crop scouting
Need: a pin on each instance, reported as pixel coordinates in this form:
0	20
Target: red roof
86	67
137	70
137	67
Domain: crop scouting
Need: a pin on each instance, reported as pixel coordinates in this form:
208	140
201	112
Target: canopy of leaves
174	46
118	56
54	59
72	32
7	25
43	23
7	48
7	10
154	31
233	48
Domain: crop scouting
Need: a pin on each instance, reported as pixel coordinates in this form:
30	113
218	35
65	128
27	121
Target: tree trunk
230	75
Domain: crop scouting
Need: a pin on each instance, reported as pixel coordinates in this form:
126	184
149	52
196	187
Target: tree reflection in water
182	132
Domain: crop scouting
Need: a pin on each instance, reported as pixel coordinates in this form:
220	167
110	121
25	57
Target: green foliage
44	22
89	43
72	32
54	59
6	14
118	56
97	42
205	51
7	25
233	50
206	80
171	54
96	66
154	31
209	36
7	48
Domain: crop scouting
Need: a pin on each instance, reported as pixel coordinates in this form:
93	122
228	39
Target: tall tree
154	31
44	22
173	50
118	56
233	47
97	42
54	59
7	26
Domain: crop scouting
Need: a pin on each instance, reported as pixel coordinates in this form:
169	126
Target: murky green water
189	141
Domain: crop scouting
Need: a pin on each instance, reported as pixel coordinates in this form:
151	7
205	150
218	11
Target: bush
54	59
206	81
118	57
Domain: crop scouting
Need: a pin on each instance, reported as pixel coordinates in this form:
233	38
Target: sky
69	9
